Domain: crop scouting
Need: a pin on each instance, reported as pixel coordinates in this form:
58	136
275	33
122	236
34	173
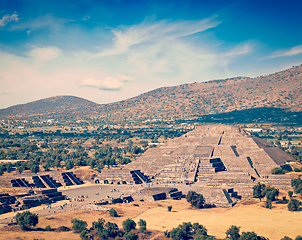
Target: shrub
195	199
286	238
169	208
27	219
259	191
48	228
290	193
99	225
233	233
113	212
248	236
142	223
128	225
278	170
111	229
178	234
268	204
293	205
130	236
78	225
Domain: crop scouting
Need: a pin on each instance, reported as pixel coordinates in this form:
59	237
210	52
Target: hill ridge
279	90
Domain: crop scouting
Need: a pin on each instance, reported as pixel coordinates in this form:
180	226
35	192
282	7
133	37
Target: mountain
279	90
53	107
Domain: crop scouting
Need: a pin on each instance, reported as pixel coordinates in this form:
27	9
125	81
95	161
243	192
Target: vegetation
27	219
113	212
142	225
78	225
297	185
169	208
279	170
195	199
128	225
293	205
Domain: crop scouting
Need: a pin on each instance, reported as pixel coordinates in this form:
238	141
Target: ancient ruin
223	160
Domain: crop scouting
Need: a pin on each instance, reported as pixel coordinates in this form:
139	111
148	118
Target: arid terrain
249	215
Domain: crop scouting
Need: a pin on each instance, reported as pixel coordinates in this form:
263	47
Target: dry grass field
250	216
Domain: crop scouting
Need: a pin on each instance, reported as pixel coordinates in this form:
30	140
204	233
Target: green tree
178	234
27	219
286	238
78	225
268	204
169	208
34	168
248	236
130	236
111	229
293	205
259	191
233	233
128	225
195	199
99	225
299	237
142	224
113	212
290	193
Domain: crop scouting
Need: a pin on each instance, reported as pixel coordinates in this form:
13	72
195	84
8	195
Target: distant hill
53	107
279	90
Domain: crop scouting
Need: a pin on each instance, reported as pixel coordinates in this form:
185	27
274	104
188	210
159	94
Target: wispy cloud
291	52
149	32
8	18
109	83
43	21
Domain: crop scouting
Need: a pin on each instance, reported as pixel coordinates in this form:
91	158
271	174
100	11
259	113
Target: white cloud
44	54
152	32
293	51
8	18
44	21
109	83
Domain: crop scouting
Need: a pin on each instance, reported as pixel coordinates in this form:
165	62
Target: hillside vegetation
278	90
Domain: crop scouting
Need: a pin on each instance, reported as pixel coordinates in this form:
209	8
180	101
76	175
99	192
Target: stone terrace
215	156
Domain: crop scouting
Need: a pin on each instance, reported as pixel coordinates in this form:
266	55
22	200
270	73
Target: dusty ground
250	216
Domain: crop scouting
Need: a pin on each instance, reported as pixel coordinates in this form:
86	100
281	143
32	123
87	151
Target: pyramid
222	158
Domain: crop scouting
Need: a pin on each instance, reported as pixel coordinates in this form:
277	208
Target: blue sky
107	51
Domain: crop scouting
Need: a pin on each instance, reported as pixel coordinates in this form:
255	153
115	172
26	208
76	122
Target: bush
195	199
268	204
34	168
293	205
27	219
286	238
78	225
233	233
48	228
99	225
84	234
128	225
248	236
130	236
113	212
279	170
142	223
111	229
290	193
259	191
169	208
178	234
